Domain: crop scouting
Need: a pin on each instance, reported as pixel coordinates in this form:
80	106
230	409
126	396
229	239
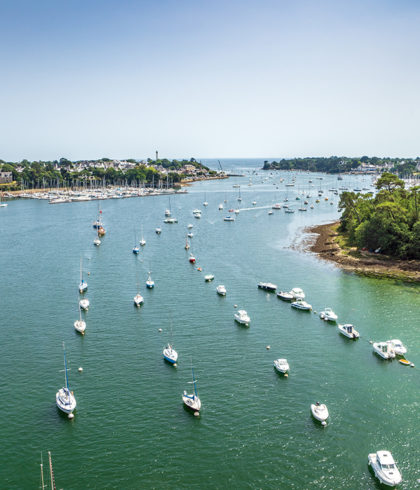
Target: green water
255	430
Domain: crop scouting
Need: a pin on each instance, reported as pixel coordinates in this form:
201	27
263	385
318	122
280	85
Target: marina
127	442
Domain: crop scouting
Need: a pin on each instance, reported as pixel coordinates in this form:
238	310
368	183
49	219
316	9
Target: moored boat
320	412
299	304
384	467
221	290
65	398
84	304
242	317
192	401
398	346
348	330
297	293
229	218
192	259
282	366
170	354
150	283
328	315
138	299
208	277
267	286
285	295
383	349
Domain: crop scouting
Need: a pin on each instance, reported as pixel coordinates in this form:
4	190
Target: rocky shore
328	245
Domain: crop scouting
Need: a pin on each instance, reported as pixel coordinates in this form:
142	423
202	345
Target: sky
208	79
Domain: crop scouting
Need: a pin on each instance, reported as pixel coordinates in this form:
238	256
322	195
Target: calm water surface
255	430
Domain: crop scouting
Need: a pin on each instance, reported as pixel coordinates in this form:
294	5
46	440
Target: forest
387	222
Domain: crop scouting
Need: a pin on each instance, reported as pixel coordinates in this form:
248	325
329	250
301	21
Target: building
6	177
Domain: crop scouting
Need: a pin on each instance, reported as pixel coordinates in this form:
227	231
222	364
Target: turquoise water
255	430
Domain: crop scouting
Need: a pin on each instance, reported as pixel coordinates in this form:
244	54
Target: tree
389	182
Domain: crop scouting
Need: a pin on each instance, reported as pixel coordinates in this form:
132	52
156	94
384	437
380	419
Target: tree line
63	172
404	167
387	222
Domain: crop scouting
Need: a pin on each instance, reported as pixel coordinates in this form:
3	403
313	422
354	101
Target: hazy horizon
112	78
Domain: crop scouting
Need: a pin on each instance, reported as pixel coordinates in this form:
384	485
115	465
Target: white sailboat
138	298
64	398
192	401
83	284
205	203
150	284
84	304
169	353
80	325
142	241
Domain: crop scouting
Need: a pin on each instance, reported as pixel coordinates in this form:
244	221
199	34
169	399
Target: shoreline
327	247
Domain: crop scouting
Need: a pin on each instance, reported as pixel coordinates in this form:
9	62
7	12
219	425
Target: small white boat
384	349
229	218
276	206
142	242
220	207
192	401
170	221
398	346
197	213
285	296
65	398
254	203
328	315
297	293
97	241
282	366
289	210
267	286
167	212
221	290
242	317
209	277
270	212
299	304
83	284
190	226
84	304
190	235
138	299
170	354
320	412
384	467
150	284
348	330
158	231
237	211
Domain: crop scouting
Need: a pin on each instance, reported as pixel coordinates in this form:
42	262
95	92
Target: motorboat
270	212
297	293
65	398
208	277
398	346
190	226
158	231
254	203
267	286
229	218
220	207
170	221
320	412
138	299
237	211
299	304
221	290
170	354
197	213
289	210
285	296
348	330
384	467
328	315
282	366
97	241
192	401
84	304
150	284
276	206
190	235
192	259
242	317
384	349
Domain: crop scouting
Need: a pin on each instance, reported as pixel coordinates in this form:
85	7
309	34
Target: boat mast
42	475
51	472
65	368
194	382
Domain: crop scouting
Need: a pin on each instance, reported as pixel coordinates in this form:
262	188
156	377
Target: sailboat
205	203
97	240
142	241
64	398
150	284
80	325
83	284
192	401
187	245
136	248
168	211
138	298
2	204
169	353
239	197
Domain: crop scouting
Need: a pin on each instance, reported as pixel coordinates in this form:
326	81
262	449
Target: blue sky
86	79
